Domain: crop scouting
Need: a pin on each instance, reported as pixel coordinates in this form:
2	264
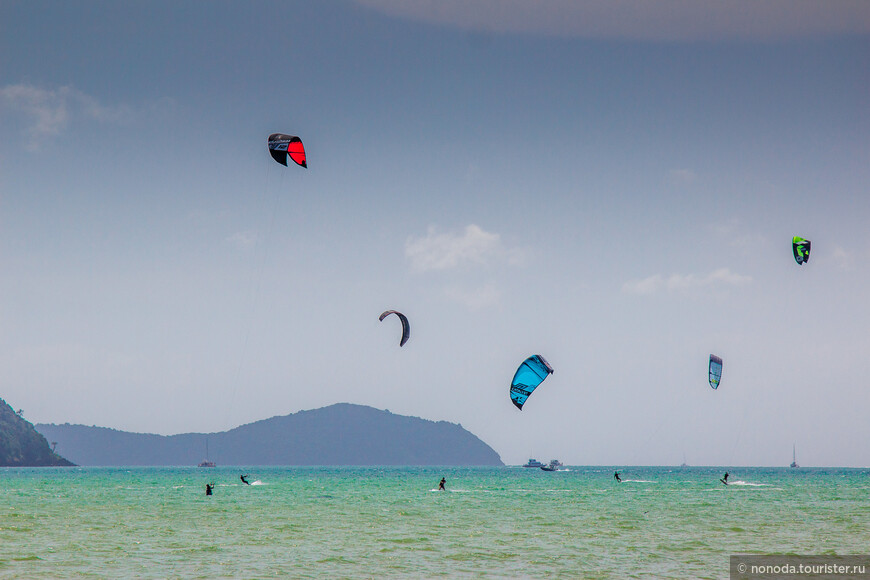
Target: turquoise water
344	522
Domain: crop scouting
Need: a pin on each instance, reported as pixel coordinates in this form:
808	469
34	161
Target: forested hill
21	445
341	434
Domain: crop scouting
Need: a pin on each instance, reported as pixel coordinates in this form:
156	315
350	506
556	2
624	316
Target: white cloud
475	298
446	251
49	112
842	258
646	286
684	282
242	240
459	251
735	235
656	20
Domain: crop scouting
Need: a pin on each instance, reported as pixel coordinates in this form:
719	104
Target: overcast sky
613	186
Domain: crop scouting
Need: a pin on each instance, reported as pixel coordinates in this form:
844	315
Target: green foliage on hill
21	445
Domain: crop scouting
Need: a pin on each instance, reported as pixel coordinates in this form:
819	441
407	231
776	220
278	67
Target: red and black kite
282	146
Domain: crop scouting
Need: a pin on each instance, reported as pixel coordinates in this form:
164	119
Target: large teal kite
531	373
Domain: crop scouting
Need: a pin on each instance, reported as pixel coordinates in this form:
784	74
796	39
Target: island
340	434
21	445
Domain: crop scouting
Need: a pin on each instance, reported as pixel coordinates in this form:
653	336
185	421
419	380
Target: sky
613	186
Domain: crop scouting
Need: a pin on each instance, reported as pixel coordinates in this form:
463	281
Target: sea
393	522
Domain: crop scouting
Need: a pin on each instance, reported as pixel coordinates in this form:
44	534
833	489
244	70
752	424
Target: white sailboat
206	462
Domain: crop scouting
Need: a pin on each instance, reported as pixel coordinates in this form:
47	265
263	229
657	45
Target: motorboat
554	464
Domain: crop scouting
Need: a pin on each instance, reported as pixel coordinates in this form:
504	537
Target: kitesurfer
245	481
725	478
441	484
616	477
208	488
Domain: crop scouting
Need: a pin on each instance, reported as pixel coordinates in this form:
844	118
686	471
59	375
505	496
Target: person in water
208	488
441	484
725	478
616	477
245	481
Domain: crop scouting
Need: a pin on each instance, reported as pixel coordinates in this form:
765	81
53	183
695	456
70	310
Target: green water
374	522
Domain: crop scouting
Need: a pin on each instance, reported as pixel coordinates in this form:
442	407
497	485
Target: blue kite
715	371
531	373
